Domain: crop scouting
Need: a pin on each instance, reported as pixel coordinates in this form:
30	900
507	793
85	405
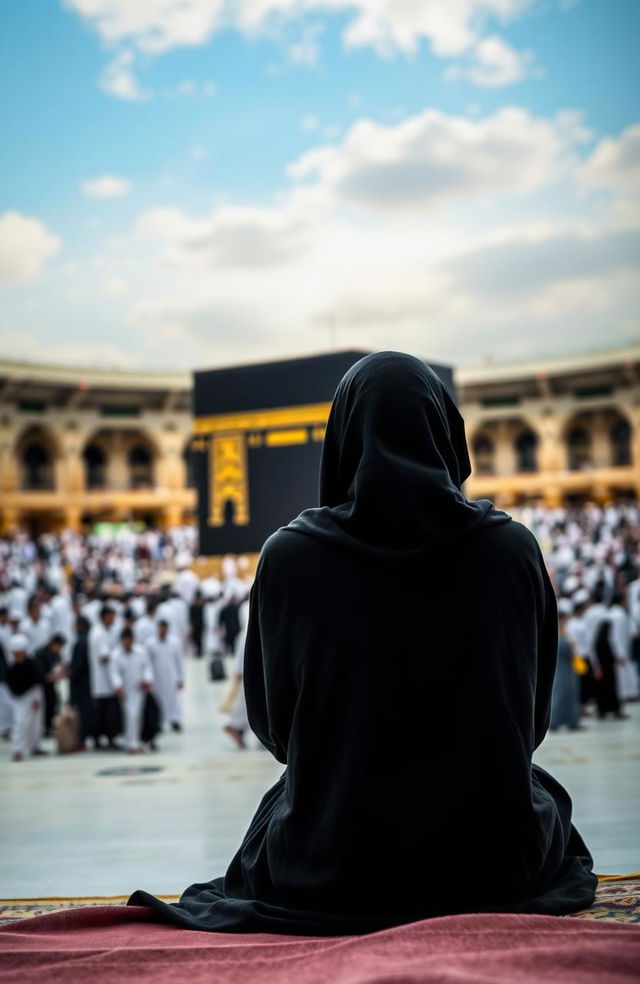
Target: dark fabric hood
394	461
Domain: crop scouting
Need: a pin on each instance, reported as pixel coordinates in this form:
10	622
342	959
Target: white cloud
106	186
449	236
390	27
233	236
437	261
615	163
305	51
25	245
528	263
432	156
35	348
493	63
190	88
309	123
118	80
114	287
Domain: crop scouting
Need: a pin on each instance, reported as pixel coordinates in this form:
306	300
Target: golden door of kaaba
258	432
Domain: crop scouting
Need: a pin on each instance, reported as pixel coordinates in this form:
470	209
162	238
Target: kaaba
258	432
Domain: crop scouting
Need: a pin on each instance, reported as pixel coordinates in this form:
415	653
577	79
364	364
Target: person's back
399	659
413	715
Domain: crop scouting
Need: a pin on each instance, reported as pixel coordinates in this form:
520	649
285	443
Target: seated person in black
399	662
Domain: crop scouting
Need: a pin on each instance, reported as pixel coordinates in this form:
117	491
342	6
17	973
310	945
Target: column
73	519
69	466
9	518
228	479
552	451
168	466
505	453
633	415
171	515
600	441
117	466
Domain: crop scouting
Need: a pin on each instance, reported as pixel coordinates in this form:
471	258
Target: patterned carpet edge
617	899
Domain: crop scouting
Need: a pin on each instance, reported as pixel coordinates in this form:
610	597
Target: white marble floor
66	828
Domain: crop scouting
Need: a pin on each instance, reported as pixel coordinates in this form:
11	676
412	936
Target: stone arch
483	450
120	458
514	444
579	446
94	458
140	461
37	451
525	446
190	462
599	438
620	437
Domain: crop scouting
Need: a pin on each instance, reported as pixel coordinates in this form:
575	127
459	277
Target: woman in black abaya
407	718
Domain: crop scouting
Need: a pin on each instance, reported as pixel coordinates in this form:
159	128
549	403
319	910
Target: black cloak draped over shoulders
399	662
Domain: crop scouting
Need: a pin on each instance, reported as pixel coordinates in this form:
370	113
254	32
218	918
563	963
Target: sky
190	183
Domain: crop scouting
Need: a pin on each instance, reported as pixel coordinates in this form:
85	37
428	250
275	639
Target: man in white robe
103	639
35	626
5	629
18	597
620	640
239	722
214	602
594	616
27	701
187	581
6	706
165	654
14	619
633	605
91	610
178	612
144	628
62	621
575	628
131	679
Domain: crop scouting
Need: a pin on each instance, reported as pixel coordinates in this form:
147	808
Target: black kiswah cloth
399	662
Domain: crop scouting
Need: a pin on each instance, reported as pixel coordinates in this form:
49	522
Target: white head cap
565	607
211	587
18	643
15	615
571	584
581	597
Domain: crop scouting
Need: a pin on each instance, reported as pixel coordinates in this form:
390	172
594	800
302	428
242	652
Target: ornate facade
79	447
555	431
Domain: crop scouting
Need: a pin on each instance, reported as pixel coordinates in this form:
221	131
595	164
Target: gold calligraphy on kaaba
308	415
231	435
229	485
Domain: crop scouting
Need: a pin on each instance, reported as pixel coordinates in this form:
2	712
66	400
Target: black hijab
402	670
394	461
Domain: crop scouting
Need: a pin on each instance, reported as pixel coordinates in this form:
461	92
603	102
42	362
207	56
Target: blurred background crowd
95	629
94	632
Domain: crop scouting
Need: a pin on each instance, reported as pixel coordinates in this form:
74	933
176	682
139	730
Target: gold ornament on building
229	479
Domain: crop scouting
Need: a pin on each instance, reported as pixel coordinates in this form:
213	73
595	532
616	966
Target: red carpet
108	944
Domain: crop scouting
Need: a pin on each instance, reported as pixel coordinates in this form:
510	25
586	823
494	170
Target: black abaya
80	685
605	688
399	661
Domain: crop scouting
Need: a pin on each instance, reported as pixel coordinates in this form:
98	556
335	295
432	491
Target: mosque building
85	446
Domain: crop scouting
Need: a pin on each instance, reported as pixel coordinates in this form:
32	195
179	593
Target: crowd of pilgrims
593	557
115	617
103	624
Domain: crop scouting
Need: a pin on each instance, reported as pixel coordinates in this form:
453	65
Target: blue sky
211	239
